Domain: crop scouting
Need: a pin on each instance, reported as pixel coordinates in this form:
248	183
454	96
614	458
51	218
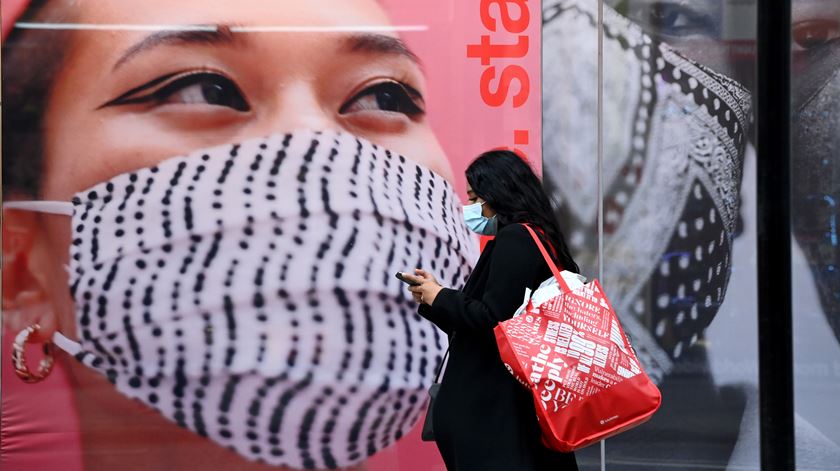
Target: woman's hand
427	290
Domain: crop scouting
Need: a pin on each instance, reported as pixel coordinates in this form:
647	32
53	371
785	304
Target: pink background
38	426
465	125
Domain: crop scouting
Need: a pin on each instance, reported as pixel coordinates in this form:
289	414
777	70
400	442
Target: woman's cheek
436	158
423	147
399	133
376	123
130	143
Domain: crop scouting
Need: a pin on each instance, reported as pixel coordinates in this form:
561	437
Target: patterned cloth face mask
246	292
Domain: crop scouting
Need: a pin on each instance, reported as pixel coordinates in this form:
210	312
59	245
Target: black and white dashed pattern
247	292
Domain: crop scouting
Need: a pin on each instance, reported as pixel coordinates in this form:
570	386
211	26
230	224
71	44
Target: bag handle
443	362
445	357
554	270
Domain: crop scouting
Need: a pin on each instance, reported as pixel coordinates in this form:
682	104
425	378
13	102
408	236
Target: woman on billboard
226	191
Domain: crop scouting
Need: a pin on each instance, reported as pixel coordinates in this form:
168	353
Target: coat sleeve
515	264
438	318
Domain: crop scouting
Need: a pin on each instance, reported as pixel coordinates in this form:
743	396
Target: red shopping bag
572	354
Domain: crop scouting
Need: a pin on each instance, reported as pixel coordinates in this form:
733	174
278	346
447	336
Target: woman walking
483	419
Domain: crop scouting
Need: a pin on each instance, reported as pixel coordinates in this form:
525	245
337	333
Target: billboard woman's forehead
362	24
364	41
300	13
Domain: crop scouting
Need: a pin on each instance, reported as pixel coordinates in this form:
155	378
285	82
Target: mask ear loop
73	348
70	346
61	208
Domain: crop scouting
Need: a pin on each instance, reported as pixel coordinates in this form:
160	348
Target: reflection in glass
815	198
676	124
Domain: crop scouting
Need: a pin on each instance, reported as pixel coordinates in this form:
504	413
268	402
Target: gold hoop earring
19	357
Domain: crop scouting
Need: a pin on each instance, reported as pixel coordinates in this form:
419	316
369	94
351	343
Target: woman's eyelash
406	97
211	88
411	91
172	83
125	96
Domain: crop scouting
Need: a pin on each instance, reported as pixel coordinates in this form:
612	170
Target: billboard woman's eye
673	19
390	96
814	33
191	88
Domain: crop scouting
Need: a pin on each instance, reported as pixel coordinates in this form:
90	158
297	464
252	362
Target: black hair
509	185
31	62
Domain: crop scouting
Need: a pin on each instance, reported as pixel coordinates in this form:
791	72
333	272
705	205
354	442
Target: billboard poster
674	228
219	194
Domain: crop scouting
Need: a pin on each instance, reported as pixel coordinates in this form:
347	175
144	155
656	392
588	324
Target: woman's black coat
483	419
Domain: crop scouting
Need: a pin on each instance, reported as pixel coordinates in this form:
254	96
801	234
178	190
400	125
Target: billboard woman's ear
25	297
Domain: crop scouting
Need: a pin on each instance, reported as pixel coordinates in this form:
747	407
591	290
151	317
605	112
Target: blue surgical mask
477	222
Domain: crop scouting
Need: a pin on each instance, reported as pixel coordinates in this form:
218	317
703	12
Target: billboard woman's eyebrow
199	34
223	34
379	43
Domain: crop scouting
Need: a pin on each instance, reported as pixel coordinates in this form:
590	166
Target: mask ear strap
69	346
61	208
73	348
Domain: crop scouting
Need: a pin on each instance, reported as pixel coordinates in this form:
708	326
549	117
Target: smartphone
406	280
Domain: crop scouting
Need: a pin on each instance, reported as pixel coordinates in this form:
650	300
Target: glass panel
570	170
680	254
815	193
678	233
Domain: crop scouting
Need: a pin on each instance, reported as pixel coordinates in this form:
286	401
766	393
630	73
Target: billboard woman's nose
298	106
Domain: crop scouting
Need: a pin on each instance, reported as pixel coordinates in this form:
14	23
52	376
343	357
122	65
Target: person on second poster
483	419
